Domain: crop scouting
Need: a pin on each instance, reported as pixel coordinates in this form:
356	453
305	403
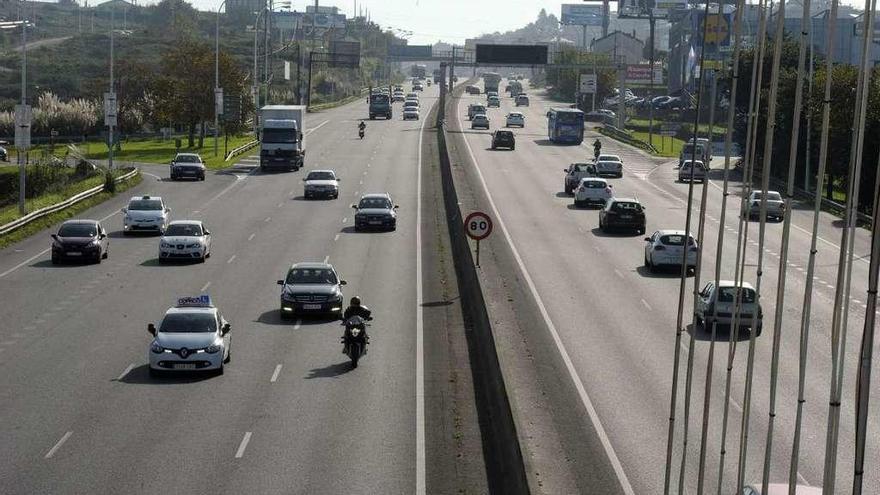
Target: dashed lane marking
205	287
275	373
230	260
58	445
243	445
127	371
251	237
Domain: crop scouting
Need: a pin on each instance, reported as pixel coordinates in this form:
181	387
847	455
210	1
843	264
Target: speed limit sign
478	225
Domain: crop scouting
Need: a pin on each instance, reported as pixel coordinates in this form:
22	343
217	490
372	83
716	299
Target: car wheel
202	177
641	231
220	369
493	146
55	260
699	321
106	253
512	147
228	357
567	190
647	262
202	258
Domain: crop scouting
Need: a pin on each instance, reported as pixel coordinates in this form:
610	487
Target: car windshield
184	229
515	116
593	184
196	322
145	204
675	240
728	295
478	108
771	196
581	167
78	230
320	176
282	136
311	276
188	159
374	203
627	206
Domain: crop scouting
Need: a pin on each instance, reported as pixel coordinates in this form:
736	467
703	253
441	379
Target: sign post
478	226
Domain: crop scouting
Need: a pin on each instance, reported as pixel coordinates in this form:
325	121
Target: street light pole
21	161
217	89
110	131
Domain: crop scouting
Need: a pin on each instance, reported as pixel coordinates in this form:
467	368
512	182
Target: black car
622	213
187	165
311	288
503	139
375	211
4	155
80	240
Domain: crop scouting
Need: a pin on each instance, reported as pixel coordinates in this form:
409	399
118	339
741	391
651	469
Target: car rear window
674	240
320	176
627	206
504	134
771	196
594	184
581	167
728	295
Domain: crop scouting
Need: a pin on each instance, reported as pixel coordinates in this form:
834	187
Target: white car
411	113
717	304
480	120
692	167
193	336
516	119
775	205
592	191
609	158
412	96
608	168
321	183
664	249
145	214
411	104
186	240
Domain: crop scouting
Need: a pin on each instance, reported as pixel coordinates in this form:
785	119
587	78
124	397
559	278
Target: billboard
582	14
717	28
410	51
641	74
511	54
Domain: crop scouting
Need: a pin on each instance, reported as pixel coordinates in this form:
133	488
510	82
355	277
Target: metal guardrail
30	217
241	149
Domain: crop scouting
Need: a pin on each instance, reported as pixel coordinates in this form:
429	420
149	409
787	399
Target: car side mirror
207	232
548	115
54	236
396	206
648	239
354	206
280	282
151	329
343	282
167	210
226	328
102	236
123	210
304	179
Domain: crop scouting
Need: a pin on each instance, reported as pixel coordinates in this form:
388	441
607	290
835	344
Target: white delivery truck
282	137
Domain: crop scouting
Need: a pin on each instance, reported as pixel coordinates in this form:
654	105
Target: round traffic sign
478	225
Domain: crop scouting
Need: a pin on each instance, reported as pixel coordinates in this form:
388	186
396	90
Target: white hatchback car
193	336
321	183
609	168
145	214
185	240
717	304
592	191
411	113
664	249
480	120
697	168
515	119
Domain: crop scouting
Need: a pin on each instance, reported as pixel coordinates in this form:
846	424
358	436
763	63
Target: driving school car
193	336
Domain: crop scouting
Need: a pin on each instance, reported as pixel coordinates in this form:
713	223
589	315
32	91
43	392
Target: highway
80	414
616	321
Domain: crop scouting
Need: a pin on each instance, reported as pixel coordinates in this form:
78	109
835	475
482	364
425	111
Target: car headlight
165	244
213	349
156	348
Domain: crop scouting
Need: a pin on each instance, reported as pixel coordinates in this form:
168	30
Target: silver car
480	121
664	248
775	205
609	169
716	304
193	336
321	183
145	214
692	170
185	240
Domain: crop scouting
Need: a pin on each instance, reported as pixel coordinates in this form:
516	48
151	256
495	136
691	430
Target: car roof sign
200	301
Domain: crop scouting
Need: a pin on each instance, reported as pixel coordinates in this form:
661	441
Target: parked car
664	248
717	304
622	213
593	191
503	139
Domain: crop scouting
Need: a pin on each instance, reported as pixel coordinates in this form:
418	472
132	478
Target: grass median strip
163	151
74	210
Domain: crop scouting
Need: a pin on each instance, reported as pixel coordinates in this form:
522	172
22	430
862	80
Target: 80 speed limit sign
478	225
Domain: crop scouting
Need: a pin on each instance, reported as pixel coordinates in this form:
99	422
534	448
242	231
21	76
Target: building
848	36
620	45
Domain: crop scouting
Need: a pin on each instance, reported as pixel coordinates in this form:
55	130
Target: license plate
626	217
311	306
74	253
375	222
185	366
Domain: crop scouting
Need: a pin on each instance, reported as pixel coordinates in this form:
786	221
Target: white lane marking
648	306
127	370
225	190
344	219
313	129
25	262
275	374
598	249
802	480
57	445
251	237
267	219
326	258
569	365
617	272
420	344
244	443
195	212
336	238
205	287
151	175
280	205
297	324
230	260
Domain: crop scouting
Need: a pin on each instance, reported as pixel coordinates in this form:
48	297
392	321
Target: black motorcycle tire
355	354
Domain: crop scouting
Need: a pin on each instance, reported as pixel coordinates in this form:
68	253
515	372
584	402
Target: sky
442	20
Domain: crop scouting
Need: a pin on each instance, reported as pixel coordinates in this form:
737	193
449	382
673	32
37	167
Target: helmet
355	301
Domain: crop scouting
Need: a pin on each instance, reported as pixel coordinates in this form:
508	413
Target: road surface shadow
63	264
273	317
662	272
547	142
120	234
615	233
438	304
141	376
171	262
351	230
562	194
331	371
722	333
593	207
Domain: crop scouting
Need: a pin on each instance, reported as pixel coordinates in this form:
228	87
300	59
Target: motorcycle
361	133
355	339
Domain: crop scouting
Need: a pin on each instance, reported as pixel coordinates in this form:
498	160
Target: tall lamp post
218	91
22	121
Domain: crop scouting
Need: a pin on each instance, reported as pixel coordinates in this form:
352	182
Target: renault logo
184	352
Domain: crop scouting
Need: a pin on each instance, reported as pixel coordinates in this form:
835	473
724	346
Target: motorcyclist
597	148
355	308
362	126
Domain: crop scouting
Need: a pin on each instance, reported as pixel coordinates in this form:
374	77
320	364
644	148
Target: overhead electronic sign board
511	54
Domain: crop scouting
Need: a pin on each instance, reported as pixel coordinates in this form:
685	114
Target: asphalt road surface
616	320
80	413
